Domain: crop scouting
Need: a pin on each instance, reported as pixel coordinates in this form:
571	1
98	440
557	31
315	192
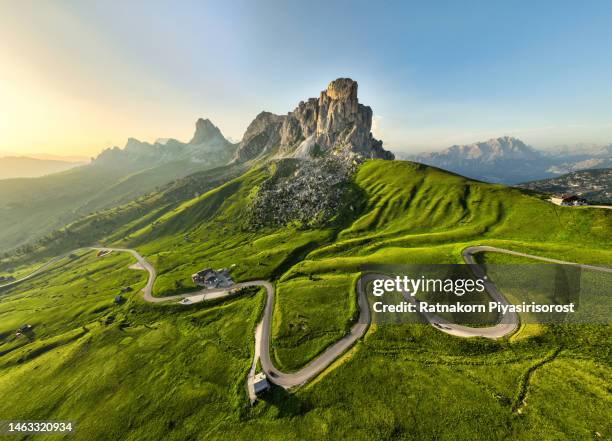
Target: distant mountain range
28	167
208	145
593	185
31	207
509	160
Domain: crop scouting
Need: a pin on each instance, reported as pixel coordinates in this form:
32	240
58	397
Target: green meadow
141	371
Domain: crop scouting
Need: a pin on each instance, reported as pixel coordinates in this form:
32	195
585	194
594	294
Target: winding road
507	324
37	270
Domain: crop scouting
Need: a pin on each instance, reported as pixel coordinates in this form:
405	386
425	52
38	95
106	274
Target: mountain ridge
509	160
206	145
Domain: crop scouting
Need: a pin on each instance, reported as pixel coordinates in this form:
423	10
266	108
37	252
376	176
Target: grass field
400	381
125	360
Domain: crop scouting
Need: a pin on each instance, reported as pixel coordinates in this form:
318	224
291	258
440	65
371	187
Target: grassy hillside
411	204
112	369
31	208
118	221
411	214
130	360
419	214
405	381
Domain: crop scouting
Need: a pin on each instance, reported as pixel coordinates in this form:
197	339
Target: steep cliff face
262	135
335	123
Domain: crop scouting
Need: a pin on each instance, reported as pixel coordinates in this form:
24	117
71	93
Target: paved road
507	324
288	380
607	207
37	270
469	252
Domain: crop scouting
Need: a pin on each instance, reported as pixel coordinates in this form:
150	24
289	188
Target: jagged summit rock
335	123
342	89
206	131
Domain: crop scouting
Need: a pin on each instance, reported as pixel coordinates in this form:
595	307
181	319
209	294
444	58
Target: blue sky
86	75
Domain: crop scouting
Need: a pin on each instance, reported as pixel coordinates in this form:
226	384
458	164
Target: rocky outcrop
206	132
262	135
309	193
334	124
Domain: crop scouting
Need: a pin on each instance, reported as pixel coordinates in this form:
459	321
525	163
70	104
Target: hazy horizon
76	157
81	77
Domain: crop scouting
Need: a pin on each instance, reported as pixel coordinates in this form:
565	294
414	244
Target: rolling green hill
410	214
178	372
116	221
33	207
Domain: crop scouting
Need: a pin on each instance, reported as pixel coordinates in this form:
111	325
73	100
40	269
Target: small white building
209	278
260	383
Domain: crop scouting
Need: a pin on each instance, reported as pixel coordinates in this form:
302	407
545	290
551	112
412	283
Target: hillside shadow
288	404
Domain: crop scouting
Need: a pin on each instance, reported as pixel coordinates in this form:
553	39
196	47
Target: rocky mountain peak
334	124
342	88
508	143
208	146
205	131
491	150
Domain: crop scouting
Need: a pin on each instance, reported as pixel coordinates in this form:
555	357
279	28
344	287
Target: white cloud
376	119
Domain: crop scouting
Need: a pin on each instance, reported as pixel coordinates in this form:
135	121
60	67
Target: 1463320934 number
24	427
